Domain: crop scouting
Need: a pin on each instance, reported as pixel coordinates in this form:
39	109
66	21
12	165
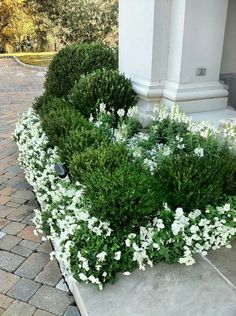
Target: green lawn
36	59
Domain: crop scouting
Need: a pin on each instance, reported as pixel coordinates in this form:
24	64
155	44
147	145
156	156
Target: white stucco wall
143	37
196	40
228	64
164	44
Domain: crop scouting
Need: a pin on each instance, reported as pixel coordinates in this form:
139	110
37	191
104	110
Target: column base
145	110
191	98
195	106
150	94
195	97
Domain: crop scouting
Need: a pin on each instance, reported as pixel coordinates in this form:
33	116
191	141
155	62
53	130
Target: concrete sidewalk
30	284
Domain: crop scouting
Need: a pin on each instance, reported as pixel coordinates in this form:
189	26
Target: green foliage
59	120
133	127
16	25
187	180
90	21
107	155
166	131
76	60
124	196
190	182
45	103
80	21
120	188
103	86
84	137
116	188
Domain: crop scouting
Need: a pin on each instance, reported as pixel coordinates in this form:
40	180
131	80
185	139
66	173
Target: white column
143	49
164	44
196	41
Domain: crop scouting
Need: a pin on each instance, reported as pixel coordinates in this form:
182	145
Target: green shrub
75	60
133	127
60	119
43	104
116	188
167	130
126	196
102	86
79	140
107	155
188	181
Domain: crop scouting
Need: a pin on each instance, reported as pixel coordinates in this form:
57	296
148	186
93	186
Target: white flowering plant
194	163
90	247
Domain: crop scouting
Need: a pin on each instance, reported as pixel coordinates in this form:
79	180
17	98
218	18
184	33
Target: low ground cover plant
113	213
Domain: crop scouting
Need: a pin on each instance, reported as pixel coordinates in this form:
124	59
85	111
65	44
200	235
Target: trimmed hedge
103	86
73	61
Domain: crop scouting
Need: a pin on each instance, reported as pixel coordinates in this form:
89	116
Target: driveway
30	284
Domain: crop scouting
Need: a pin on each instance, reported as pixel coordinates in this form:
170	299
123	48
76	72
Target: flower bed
92	248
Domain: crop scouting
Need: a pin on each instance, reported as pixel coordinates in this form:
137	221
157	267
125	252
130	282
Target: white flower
83	277
127	273
121	112
194	229
101	256
196	213
175	228
117	255
226	207
179	212
131	236
91	118
102	107
52	255
135	246
92	279
158	223
205	133
132	111
166	151
128	242
156	246
35	232
199	152
98	267
180	146
187	260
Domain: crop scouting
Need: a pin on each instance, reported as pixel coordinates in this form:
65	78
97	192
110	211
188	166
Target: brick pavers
29	283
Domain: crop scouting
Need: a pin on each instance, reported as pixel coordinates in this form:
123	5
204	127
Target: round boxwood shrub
126	197
107	155
102	86
59	120
75	60
83	137
187	181
117	189
46	103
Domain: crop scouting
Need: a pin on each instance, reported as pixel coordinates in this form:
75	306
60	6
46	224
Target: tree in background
46	23
16	25
80	20
90	21
43	25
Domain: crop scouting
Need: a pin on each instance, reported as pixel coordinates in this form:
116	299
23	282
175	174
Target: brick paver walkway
30	284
